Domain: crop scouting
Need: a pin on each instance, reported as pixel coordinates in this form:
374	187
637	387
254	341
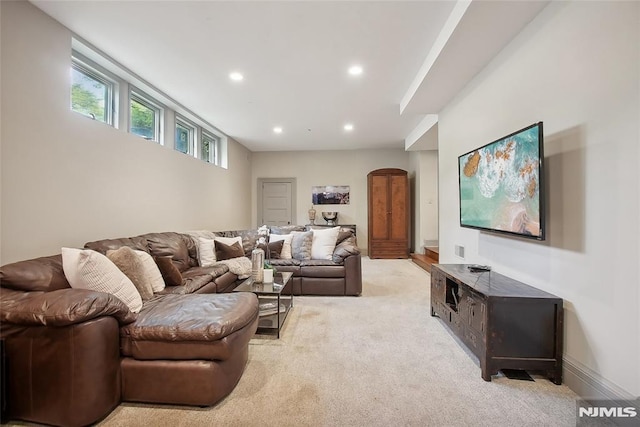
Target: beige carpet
375	360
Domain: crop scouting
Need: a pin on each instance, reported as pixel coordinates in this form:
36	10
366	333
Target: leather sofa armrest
345	249
60	308
353	275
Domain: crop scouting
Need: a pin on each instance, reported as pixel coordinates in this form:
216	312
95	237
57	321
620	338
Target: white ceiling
294	56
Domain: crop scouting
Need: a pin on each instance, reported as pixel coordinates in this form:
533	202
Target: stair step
433	253
423	261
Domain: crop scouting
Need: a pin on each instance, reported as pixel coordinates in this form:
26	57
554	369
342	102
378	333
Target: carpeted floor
375	360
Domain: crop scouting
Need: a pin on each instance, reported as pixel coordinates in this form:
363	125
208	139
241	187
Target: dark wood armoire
388	195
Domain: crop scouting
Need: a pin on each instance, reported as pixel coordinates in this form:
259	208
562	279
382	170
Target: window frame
192	127
94	71
214	147
142	98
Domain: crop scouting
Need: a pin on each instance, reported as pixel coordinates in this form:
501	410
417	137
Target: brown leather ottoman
187	349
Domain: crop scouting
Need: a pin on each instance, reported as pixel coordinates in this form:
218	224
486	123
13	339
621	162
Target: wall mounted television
502	187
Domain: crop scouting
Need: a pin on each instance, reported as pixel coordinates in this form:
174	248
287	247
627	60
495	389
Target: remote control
475	268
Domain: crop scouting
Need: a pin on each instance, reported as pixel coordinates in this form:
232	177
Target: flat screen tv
501	185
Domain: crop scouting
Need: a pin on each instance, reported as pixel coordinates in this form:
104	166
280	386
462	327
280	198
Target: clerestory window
210	148
185	135
146	116
92	93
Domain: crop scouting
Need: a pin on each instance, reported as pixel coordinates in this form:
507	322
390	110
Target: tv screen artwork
501	183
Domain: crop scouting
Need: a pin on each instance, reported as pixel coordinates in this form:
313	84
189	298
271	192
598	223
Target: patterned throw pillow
301	245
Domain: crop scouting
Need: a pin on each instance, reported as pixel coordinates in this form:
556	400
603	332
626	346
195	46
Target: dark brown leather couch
340	276
72	355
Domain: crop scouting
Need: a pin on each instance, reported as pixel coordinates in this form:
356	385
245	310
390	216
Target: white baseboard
588	384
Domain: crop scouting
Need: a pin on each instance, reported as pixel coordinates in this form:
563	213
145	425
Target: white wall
424	177
67	179
575	67
310	168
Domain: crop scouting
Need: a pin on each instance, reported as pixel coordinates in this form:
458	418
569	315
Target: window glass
208	148
184	136
144	118
90	95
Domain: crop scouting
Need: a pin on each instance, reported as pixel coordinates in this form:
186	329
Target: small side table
274	307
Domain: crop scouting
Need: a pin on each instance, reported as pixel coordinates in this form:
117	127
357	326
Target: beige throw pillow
206	252
129	263
324	242
87	269
151	271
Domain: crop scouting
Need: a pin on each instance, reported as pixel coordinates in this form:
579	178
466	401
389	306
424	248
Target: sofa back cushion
40	274
180	247
102	246
286	229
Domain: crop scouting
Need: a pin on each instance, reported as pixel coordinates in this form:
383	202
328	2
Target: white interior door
277	203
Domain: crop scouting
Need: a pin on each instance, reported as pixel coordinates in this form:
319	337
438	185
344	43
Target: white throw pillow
324	242
151	270
286	246
87	269
207	252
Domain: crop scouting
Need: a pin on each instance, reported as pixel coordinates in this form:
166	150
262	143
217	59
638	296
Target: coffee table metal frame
270	292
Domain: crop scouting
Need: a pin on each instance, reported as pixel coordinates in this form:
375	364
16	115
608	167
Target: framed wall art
330	195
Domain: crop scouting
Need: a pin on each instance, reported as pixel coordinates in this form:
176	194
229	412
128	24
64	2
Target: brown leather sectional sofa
73	355
340	276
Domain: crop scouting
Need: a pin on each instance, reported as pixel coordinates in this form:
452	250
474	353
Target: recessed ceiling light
277	129
355	70
236	76
348	127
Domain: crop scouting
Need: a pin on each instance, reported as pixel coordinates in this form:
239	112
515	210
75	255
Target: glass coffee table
274	307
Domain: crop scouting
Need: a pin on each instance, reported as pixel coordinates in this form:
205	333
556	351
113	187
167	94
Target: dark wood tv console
505	323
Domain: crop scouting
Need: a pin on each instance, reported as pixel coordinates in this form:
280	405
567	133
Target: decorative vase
312	216
330	217
257	265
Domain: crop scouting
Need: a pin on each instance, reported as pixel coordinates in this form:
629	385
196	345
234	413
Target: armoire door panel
398	217
379	202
